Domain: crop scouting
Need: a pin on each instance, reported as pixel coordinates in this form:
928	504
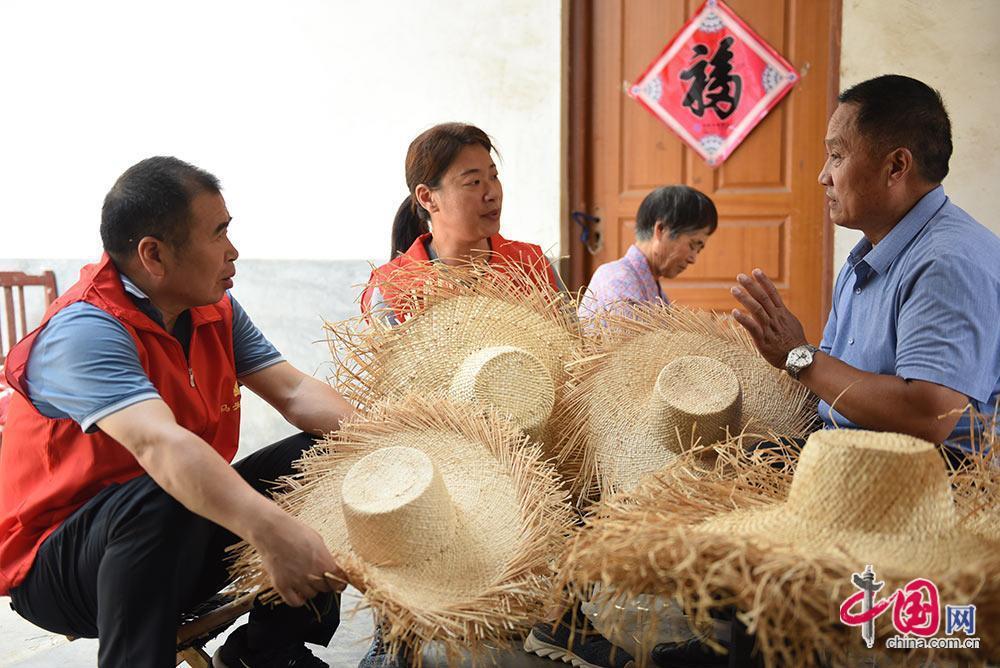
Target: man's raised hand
775	330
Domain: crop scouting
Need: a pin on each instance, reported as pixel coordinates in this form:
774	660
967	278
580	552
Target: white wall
954	47
304	109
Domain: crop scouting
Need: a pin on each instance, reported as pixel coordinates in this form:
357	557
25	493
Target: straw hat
444	516
476	334
781	547
662	379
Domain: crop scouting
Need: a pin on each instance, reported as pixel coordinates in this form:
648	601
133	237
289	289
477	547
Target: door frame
578	69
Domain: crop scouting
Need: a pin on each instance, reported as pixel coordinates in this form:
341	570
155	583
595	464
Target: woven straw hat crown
396	507
843	476
510	380
697	397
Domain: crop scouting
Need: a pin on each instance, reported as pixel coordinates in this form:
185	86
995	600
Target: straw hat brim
983	502
608	411
461	310
489	581
787	590
779	528
977	484
425	353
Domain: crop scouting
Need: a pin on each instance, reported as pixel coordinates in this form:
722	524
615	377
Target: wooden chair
12	282
203	624
15	282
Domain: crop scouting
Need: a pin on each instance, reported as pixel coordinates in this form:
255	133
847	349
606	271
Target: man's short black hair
152	199
681	209
896	111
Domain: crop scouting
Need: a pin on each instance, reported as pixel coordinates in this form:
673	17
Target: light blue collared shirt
924	304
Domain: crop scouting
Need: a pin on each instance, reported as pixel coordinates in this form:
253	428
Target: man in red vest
117	492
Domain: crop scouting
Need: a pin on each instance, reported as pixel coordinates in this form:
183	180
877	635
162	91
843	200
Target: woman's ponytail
407	226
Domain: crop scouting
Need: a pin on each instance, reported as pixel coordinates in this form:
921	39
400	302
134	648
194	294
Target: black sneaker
690	654
234	653
588	649
378	655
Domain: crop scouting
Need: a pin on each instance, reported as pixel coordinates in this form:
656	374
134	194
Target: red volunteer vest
529	256
49	467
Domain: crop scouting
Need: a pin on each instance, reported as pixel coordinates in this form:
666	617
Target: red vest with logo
49	467
529	257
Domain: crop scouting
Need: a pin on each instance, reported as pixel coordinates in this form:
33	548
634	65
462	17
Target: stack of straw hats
441	501
438	498
661	380
782	548
446	517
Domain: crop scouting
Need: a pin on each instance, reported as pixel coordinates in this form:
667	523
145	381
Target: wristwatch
799	358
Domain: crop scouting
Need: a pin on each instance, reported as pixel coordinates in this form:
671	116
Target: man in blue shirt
912	339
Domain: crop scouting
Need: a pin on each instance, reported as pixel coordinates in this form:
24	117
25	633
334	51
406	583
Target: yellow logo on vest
235	406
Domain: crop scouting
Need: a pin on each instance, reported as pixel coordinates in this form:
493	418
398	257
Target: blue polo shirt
84	365
924	304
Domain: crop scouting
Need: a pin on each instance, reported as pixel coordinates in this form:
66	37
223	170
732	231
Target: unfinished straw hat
445	516
476	334
662	379
782	547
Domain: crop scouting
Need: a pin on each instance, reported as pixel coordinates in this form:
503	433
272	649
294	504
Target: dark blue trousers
125	567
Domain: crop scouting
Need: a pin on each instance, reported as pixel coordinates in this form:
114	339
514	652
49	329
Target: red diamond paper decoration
714	82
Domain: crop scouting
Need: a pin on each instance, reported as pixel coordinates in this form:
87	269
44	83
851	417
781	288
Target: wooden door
771	211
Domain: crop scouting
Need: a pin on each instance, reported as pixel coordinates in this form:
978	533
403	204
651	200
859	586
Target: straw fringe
362	348
977	484
608	333
355	343
644	543
516	596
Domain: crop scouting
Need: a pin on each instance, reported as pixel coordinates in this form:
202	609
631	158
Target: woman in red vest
451	215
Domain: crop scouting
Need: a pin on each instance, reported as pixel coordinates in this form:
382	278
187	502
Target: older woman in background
671	229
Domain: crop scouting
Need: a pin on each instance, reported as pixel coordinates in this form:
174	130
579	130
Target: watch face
798	359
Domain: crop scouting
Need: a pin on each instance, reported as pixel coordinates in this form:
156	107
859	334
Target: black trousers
126	566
